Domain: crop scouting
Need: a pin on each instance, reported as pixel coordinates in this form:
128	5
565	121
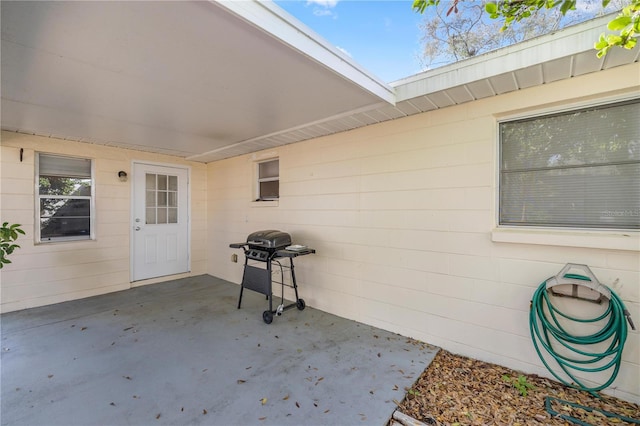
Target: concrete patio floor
181	353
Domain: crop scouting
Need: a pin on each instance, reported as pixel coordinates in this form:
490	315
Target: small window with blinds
268	184
577	169
65	198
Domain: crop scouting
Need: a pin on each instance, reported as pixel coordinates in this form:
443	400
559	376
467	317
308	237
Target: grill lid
269	239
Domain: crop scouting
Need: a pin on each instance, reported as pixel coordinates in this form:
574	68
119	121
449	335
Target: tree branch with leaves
450	37
626	24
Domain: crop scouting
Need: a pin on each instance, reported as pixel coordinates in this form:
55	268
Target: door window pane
161	192
173	183
151	199
162	199
173	215
162	215
150	181
162	182
150	216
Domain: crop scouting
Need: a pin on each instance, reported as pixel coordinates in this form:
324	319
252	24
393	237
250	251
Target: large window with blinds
65	198
577	169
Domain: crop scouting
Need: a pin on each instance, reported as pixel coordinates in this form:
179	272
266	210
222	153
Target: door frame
132	216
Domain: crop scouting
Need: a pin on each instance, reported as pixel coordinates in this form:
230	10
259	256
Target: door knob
137	228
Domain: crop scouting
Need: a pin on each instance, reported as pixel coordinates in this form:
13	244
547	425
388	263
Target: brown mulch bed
455	390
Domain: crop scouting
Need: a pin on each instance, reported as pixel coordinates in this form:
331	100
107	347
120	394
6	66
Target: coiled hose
546	329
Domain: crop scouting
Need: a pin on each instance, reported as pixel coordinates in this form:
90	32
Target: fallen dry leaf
463	391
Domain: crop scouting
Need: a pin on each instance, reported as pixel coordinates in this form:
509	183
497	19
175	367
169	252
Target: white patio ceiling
207	80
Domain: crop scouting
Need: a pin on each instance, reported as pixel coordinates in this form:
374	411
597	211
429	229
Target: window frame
259	180
38	197
576	234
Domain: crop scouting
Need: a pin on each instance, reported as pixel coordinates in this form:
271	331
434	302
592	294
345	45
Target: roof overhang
182	78
208	81
557	56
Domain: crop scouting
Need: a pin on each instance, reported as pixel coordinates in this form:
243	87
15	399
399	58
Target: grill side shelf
294	253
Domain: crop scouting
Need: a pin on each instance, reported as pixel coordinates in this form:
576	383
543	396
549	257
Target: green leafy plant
8	234
520	383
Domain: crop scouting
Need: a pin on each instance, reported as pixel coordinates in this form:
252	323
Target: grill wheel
300	304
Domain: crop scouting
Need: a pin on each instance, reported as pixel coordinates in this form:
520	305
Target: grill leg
269	292
293	279
240	299
242	283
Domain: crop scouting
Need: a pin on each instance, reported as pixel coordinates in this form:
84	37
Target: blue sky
382	36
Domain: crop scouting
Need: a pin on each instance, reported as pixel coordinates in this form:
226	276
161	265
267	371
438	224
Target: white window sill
65	240
265	203
610	240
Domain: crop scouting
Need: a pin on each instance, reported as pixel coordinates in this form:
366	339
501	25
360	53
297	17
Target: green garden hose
547	333
548	400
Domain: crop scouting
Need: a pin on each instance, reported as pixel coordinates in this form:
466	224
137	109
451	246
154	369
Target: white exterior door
160	221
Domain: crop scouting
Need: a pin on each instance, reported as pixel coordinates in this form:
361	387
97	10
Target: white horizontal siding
55	272
401	215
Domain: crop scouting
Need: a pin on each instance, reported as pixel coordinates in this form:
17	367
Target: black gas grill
263	250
